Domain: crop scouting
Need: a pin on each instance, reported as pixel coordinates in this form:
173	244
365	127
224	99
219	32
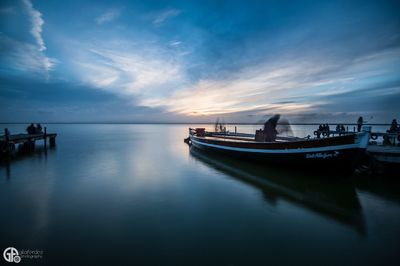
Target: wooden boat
340	152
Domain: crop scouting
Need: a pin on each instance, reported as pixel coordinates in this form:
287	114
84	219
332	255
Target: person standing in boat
393	127
360	122
270	131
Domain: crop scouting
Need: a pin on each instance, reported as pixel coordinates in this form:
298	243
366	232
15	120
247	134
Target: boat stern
362	138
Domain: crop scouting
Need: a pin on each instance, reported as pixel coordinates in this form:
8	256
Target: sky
193	61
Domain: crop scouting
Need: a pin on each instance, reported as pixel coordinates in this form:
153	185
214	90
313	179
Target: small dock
24	142
384	159
385	154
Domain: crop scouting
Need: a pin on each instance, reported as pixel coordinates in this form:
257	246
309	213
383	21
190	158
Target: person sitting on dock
38	129
270	128
31	129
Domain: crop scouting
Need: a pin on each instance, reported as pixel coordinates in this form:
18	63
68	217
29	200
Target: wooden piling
31	145
7	146
52	141
6	141
45	138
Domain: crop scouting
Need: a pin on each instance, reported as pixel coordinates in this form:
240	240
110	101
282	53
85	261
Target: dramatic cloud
17	52
37	23
284	87
197	60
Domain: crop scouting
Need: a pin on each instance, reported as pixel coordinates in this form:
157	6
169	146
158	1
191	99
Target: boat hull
311	154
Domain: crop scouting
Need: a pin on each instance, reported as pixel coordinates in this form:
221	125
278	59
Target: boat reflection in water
329	196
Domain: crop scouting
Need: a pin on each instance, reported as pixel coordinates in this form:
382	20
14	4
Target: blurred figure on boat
220	126
394	127
38	129
270	131
31	129
284	127
360	122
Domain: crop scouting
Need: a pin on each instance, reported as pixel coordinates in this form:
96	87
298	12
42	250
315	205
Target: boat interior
239	137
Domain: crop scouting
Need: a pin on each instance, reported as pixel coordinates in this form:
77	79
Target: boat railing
233	134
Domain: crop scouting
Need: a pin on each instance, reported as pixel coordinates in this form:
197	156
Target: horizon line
188	123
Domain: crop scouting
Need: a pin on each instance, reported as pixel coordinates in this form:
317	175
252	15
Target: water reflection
39	153
329	196
385	187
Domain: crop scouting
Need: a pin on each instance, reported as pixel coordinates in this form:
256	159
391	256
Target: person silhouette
270	128
394	126
31	129
360	122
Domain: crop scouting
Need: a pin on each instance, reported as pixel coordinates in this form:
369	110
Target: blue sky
193	61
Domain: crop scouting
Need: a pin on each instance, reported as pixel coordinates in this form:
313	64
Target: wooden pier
26	142
385	154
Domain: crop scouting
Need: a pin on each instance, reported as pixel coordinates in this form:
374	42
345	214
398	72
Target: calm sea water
137	194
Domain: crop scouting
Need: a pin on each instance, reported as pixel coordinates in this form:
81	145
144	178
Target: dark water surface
136	194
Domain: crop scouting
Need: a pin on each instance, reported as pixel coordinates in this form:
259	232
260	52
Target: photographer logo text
11	254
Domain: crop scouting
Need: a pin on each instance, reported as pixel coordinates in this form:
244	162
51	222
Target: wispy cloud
142	71
108	16
24	57
37	23
165	15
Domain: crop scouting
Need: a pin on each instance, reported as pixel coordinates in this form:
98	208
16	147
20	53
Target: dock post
6	136
31	146
235	130
52	141
45	138
6	141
